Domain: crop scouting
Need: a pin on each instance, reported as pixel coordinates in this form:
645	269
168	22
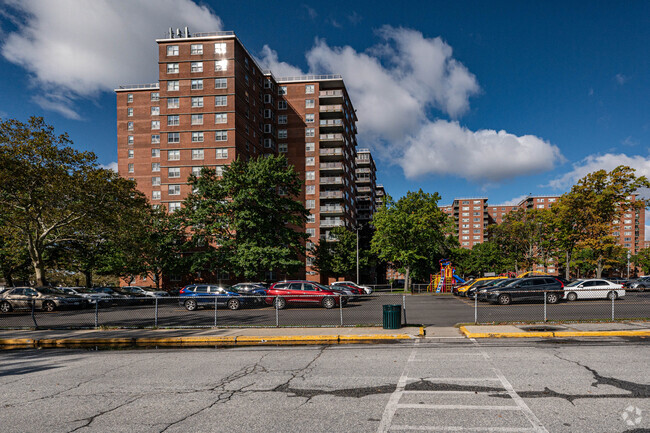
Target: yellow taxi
462	290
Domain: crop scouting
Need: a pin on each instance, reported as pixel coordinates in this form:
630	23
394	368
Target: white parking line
455	407
465	429
444	391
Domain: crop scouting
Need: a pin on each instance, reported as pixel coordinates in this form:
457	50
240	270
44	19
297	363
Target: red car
302	292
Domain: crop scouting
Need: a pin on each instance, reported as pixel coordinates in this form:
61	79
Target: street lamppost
628	264
357	229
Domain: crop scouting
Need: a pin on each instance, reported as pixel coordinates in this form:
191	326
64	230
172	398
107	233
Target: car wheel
612	295
234	304
49	306
190	305
5	307
552	298
641	288
329	302
572	296
504	299
280	303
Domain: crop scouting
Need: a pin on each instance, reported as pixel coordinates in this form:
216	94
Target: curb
14	343
549	334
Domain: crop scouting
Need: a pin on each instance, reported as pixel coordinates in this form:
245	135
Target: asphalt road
424	309
430	385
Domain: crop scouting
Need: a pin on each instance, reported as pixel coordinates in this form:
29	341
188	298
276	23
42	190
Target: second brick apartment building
213	104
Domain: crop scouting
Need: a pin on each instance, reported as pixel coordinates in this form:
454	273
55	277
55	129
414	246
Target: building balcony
364	189
331	95
331	124
331	194
331	166
365	180
332	223
331	209
331	137
335	153
331	111
331	181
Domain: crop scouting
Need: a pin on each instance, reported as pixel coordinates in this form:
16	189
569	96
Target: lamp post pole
357	255
628	264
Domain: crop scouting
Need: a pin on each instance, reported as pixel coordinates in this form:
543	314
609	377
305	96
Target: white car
367	290
92	296
593	289
150	293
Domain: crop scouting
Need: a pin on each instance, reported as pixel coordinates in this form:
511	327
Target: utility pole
358	255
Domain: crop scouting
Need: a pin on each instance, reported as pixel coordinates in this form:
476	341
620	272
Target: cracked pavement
570	386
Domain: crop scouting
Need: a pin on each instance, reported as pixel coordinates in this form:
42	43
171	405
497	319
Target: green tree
642	259
410	231
487	257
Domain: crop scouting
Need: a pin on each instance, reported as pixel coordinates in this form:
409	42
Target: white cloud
608	161
647	233
443	147
110	166
76	48
269	60
621	79
513	201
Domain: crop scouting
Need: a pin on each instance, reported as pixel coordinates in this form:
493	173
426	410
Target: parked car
43	298
253	292
593	289
472	291
528	289
92	296
641	284
149	293
205	295
482	293
462	290
345	291
302	292
366	290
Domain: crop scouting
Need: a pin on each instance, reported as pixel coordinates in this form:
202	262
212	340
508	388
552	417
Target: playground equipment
446	279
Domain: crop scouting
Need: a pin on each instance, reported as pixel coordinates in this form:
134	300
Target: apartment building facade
366	182
213	104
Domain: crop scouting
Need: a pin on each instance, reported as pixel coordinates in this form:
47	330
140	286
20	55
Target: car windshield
50	291
320	286
573	283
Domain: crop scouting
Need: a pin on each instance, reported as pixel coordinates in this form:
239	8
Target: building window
221	135
196	67
222	153
197	101
283	147
197	137
310	204
174	189
174	206
220	48
172	86
197	154
173	102
155	166
310	160
309	132
155	181
172	68
129	126
173	120
129	112
268	129
309	118
155	153
155	124
129	97
282	119
268	143
309	103
310	189
282	90
172	50
310	175
173	137
174	172
173	155
131	168
129	139
310	147
219	170
155	195
221	118
221	65
309	88
220	101
155	111
197	85
220	83
155	96
196	171
197	119
282	105
282	133
196	49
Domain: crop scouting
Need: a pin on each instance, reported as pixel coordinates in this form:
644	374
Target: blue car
204	295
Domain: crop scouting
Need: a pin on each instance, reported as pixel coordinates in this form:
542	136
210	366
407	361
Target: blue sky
466	98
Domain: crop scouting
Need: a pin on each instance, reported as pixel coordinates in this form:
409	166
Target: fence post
613	297
544	306
404	308
341	308
96	313
277	315
155	320
33	315
215	311
476	309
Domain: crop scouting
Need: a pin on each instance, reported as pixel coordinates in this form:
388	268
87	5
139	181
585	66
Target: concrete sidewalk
544	330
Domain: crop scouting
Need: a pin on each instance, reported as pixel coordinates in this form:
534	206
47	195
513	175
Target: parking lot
426	309
433	385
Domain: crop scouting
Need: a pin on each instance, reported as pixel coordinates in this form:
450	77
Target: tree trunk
406	279
39	273
567	268
89	278
599	268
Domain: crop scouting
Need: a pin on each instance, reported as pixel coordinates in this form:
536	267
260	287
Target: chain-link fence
206	312
568	304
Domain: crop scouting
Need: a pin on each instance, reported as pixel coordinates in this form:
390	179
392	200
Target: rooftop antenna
171	33
178	33
187	32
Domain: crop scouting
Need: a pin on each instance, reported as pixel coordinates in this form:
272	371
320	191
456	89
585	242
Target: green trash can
392	316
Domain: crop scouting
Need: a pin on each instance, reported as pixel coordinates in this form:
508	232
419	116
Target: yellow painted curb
423	332
17	342
184	340
46	342
287	339
524	334
366	337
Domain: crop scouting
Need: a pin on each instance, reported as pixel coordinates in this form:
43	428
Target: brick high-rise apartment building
366	180
213	104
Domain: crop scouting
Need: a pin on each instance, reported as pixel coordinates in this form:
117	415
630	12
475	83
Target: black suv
528	289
